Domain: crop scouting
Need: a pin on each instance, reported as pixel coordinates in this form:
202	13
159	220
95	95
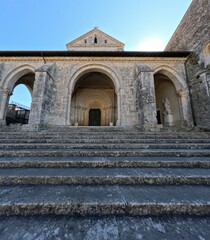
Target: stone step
127	145
102	176
104	152
104	227
104	140
115	135
105	162
104	200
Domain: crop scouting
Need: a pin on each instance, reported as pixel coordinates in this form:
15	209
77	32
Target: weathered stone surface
107	188
104	228
193	34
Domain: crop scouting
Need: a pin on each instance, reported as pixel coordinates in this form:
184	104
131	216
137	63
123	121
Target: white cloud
153	44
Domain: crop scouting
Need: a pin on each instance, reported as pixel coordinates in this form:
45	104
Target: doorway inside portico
94	101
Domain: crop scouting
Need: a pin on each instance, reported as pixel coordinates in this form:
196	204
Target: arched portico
93	87
21	75
171	92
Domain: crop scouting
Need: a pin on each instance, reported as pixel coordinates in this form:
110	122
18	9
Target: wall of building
193	33
133	81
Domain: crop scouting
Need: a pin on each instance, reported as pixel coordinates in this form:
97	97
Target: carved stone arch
179	97
15	77
92	69
173	75
15	74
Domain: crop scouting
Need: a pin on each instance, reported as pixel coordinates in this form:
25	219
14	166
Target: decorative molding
94	59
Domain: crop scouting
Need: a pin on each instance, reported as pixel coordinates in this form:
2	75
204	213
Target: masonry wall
193	34
193	31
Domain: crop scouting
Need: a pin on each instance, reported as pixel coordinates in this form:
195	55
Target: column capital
5	91
182	93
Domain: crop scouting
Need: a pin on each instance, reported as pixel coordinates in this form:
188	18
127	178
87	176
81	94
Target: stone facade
129	90
96	79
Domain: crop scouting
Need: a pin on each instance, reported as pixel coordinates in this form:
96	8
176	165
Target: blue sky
49	24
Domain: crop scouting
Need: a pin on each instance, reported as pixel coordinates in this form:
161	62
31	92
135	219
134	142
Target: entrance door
94	117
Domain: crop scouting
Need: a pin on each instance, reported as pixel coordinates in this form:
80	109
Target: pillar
147	98
186	111
39	106
119	94
4	96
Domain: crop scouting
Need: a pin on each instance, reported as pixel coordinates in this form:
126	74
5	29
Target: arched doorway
94	117
94	94
18	109
167	101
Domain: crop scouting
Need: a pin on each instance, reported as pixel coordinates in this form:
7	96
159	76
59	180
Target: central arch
93	90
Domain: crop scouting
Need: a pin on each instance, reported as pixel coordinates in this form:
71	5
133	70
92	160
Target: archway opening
18	109
167	101
94	94
94	117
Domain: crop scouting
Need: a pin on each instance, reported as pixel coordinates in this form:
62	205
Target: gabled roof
95	40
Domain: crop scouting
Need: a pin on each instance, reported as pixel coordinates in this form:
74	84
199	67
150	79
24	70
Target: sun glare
155	44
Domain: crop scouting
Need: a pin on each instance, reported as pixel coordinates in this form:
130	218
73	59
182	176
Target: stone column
5	94
76	116
79	115
70	110
186	112
111	116
119	94
147	98
83	116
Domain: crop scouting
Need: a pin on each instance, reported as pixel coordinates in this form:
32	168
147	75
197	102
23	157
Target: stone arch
15	74
171	88
91	68
25	75
111	75
173	75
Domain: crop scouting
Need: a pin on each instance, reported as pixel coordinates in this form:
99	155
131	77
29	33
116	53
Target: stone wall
193	33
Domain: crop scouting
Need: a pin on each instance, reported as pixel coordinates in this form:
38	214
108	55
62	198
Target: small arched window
95	40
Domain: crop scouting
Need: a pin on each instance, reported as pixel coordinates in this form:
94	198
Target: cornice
94	59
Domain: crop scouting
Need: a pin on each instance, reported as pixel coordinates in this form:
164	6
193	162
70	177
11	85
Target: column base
152	127
2	123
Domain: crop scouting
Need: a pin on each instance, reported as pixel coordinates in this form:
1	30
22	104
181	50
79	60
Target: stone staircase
110	183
